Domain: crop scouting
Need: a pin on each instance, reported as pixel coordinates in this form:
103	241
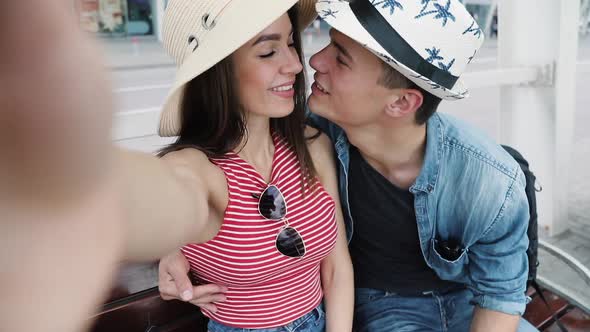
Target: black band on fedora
378	27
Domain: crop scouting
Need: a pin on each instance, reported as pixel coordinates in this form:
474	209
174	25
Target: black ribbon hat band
378	27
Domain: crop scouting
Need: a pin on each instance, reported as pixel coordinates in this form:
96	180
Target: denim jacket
469	190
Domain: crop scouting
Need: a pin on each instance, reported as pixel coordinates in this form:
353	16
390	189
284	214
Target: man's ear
406	101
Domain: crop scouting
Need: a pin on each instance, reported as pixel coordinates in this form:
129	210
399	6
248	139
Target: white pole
565	101
584	17
159	15
490	17
537	119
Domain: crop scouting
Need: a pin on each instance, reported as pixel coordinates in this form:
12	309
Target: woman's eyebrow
271	37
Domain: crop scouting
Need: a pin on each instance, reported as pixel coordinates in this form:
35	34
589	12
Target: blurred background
530	88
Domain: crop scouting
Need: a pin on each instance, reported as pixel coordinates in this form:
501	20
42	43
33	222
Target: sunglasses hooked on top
272	206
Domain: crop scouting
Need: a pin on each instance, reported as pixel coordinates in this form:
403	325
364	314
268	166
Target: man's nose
317	61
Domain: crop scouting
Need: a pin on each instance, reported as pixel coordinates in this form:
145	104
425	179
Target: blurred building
121	18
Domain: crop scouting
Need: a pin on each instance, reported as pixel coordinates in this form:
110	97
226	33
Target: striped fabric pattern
265	288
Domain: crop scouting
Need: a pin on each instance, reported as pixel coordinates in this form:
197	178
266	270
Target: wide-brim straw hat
200	33
429	42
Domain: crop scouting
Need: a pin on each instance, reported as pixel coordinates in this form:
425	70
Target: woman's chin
280	111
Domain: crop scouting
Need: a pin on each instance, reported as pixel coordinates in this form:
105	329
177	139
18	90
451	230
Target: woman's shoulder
187	157
191	163
194	167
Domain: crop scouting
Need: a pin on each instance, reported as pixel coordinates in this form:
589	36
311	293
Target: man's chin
316	107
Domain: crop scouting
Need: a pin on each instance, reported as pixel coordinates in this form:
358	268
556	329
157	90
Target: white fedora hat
428	41
200	33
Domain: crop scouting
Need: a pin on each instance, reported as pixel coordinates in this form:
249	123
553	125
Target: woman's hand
60	227
55	106
174	284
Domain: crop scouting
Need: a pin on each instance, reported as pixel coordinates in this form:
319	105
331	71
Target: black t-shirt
385	248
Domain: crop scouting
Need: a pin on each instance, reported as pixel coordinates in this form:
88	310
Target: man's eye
340	60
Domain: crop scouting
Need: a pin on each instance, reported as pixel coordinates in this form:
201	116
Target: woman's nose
293	64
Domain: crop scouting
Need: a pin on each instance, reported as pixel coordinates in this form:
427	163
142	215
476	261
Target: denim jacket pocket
447	267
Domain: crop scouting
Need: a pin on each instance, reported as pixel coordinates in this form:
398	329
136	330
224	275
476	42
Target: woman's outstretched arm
56	145
72	205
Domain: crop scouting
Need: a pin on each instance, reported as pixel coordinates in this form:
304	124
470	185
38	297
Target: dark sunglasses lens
272	204
290	243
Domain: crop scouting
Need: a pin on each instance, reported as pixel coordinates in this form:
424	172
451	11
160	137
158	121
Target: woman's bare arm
165	201
55	139
336	268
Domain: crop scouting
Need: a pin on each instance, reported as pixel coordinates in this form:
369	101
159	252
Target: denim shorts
450	311
314	321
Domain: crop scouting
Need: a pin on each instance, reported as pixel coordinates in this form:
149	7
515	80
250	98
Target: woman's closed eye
271	53
268	55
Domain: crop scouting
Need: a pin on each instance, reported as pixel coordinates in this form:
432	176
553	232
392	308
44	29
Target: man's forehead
353	48
336	34
346	41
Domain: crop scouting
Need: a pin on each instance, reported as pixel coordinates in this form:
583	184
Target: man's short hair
392	79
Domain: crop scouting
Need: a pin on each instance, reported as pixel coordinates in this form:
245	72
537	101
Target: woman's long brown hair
213	122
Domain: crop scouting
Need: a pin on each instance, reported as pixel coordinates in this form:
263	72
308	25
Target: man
440	212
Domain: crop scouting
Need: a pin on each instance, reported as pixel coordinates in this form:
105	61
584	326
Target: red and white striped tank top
265	288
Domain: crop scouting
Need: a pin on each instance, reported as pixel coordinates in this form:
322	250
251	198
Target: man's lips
318	89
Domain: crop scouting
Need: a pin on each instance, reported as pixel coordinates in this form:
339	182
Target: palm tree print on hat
434	86
331	1
461	95
391	4
387	58
441	12
433	54
475	29
446	67
471	57
425	4
328	12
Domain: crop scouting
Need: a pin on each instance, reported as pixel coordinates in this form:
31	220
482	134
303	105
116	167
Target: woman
277	241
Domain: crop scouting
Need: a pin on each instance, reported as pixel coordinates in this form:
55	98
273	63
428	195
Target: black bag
533	228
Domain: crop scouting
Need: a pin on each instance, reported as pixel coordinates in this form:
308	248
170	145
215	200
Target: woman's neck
257	147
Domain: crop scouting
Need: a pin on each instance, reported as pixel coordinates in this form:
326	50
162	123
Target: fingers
203	292
207	295
209	306
168	290
183	285
174	282
173	277
208	300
